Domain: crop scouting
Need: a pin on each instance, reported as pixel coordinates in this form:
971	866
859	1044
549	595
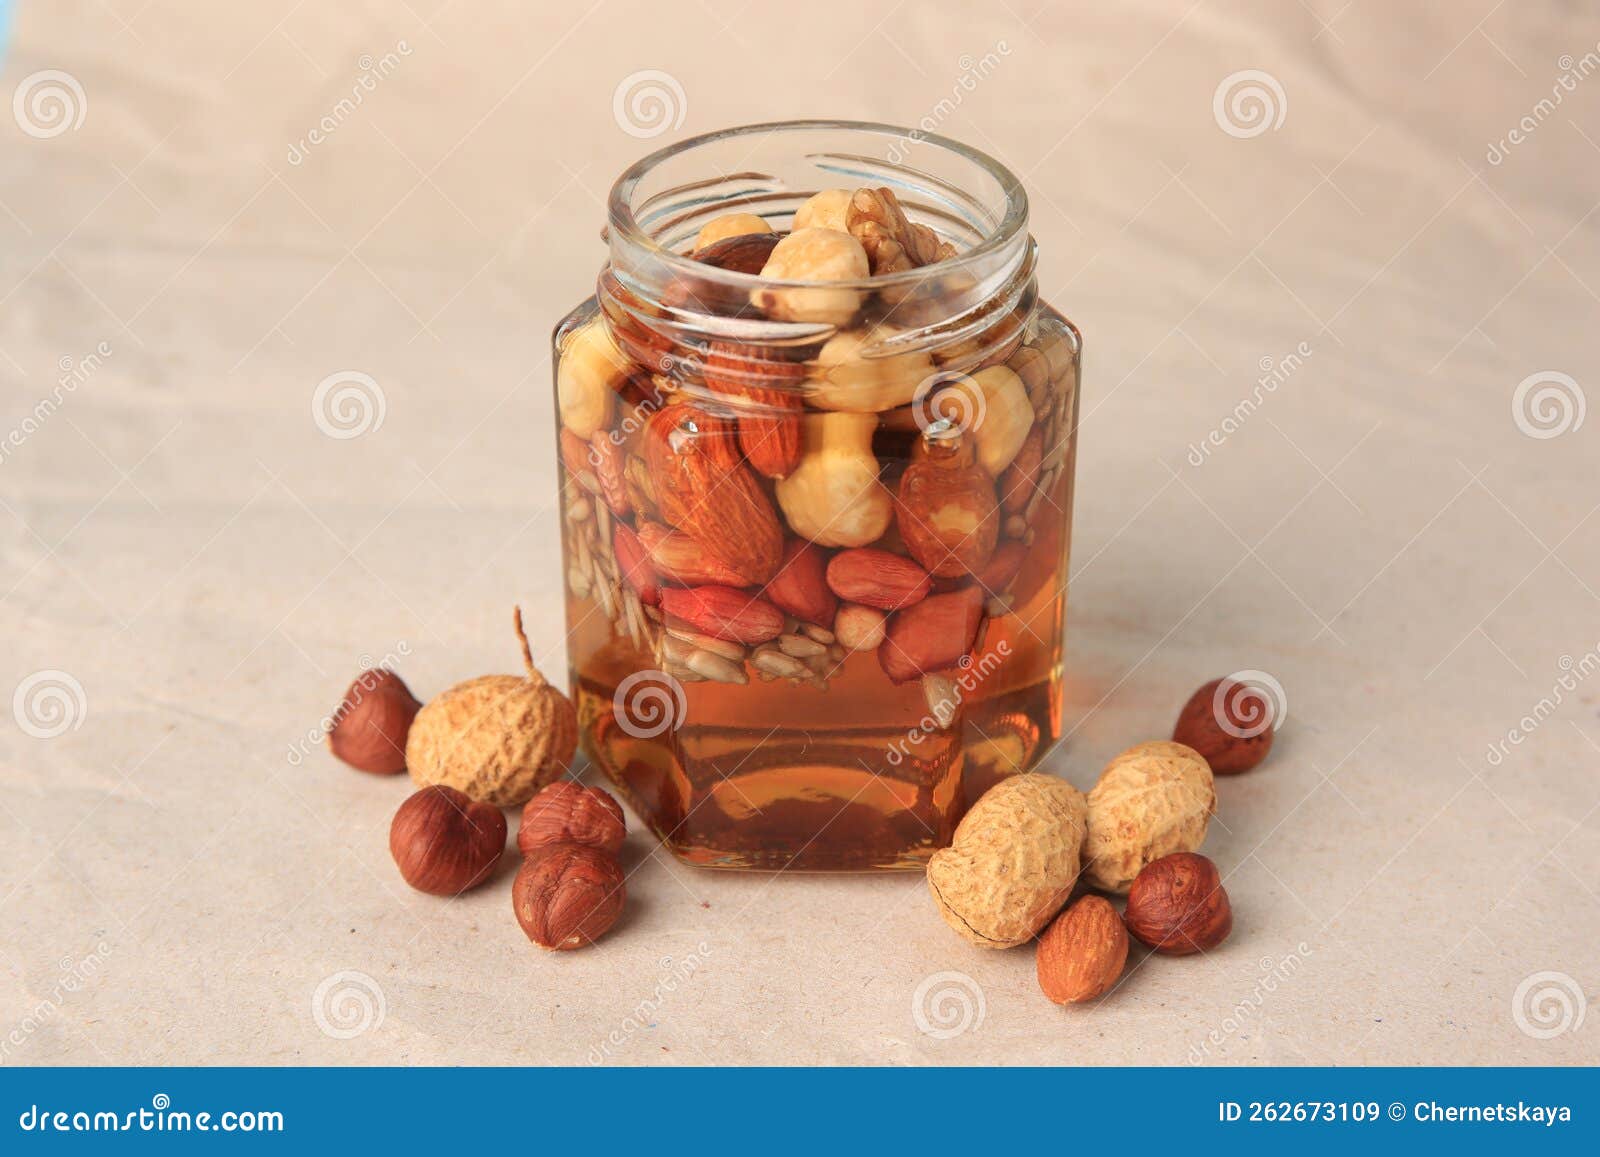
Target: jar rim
622	223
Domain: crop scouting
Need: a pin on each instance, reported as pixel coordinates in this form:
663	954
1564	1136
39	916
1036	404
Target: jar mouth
994	216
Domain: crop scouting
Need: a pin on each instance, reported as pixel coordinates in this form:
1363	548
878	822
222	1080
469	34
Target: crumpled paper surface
193	566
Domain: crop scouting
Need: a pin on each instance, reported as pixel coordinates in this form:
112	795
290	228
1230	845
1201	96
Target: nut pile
743	512
490	743
1013	864
1028	842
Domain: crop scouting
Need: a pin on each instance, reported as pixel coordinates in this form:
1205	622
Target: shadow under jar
816	533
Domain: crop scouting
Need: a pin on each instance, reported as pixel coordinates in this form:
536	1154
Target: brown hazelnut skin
369	729
1198	727
445	842
568	895
569	813
1178	906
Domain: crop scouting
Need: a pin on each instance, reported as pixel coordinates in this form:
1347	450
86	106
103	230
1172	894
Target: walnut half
893	243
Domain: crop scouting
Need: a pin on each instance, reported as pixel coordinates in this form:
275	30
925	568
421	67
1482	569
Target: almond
634	564
932	635
1082	954
678	557
575	455
1022	476
768	413
801	586
877	578
724	613
607	459
1002	566
705	490
746	253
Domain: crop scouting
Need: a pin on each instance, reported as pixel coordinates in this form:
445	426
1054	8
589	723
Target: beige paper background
181	539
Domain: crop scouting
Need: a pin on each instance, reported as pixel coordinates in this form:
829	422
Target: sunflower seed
716	668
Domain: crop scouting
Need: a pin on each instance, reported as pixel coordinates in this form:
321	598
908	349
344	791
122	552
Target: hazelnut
1228	722
568	895
729	225
854	371
445	842
1082	954
369	729
858	628
813	255
828	209
1178	905
569	813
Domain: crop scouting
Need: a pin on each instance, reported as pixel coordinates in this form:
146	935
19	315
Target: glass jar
815	534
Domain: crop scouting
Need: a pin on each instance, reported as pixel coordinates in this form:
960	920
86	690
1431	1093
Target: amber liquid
855	774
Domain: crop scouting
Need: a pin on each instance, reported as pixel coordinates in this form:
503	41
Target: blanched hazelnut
729	225
825	210
859	628
999	420
847	380
820	255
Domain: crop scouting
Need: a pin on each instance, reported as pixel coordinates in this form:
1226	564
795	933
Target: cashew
834	497
729	225
824	210
813	255
591	370
848	381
